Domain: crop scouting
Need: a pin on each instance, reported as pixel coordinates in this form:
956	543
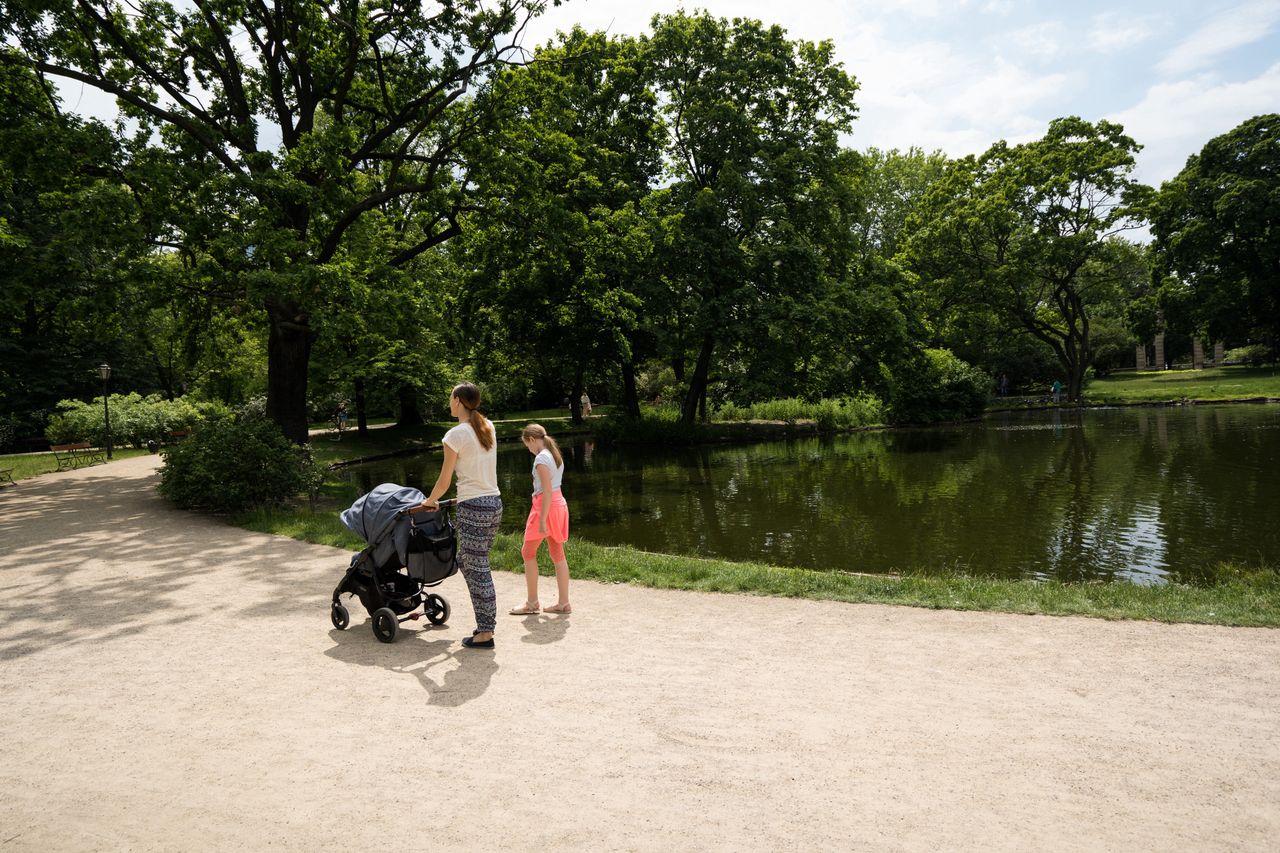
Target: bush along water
662	425
657	425
826	415
233	465
936	386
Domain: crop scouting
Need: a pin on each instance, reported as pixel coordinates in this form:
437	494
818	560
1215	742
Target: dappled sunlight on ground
171	682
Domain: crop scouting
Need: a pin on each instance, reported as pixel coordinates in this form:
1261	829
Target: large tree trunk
288	353
409	412
630	397
362	417
697	382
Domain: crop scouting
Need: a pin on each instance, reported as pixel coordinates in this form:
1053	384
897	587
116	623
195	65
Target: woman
548	519
470	450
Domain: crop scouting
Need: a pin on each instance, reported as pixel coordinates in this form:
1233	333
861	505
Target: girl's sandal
524	610
560	608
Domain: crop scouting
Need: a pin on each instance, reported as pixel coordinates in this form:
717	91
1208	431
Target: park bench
76	454
7	474
178	434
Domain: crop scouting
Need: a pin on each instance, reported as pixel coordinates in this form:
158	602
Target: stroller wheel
385	624
339	616
437	609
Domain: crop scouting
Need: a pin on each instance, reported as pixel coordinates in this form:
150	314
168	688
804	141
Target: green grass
26	465
1214	383
1239	596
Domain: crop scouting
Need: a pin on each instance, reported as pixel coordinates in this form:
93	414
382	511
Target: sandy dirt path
171	683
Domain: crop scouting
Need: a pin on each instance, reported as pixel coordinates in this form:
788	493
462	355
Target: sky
958	75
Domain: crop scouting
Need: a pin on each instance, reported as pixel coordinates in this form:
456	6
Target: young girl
470	451
548	519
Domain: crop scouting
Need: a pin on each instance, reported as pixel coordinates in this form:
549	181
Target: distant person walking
548	519
470	451
1057	391
586	404
1004	385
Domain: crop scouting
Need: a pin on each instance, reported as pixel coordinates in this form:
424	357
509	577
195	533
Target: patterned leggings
477	523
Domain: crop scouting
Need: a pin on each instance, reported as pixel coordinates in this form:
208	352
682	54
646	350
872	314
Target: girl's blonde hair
539	431
469	396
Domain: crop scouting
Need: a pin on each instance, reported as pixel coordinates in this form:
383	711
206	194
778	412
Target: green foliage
1215	230
134	419
828	415
1255	355
656	425
70	233
231	465
937	386
370	109
1030	233
757	214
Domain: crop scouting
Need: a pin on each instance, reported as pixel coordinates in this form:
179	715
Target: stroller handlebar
444	504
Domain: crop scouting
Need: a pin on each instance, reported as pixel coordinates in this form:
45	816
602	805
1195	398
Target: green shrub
232	465
134	419
8	431
657	425
828	415
936	386
1255	355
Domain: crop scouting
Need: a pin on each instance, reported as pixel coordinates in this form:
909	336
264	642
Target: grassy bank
27	465
1215	383
1239	597
396	439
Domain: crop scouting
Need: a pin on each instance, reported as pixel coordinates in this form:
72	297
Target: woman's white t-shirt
544	457
477	468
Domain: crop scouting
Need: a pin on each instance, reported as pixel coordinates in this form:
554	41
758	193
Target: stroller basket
432	552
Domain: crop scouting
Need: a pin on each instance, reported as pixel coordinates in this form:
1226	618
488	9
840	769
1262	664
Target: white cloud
1234	28
1112	32
1175	120
1043	41
931	95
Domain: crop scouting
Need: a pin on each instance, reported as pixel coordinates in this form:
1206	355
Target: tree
752	153
1215	230
71	231
561	237
1026	230
368	103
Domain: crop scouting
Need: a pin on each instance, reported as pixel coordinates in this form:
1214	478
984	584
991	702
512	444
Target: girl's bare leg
562	587
531	583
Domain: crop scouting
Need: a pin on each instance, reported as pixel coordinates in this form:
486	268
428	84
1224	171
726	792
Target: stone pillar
1197	354
1140	356
1218	350
1160	351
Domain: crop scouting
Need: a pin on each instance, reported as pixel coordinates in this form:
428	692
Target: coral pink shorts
557	519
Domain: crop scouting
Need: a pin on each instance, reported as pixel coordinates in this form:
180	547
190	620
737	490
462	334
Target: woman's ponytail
469	396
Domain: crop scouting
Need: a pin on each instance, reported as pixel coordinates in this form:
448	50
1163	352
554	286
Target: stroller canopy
373	514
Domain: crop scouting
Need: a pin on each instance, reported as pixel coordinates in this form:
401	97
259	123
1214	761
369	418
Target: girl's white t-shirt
477	468
544	457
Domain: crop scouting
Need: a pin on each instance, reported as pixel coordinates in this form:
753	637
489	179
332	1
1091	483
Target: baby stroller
410	548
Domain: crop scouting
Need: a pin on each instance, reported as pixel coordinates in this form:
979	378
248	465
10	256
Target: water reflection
1129	494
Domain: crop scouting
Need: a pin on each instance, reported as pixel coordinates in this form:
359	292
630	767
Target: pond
1138	494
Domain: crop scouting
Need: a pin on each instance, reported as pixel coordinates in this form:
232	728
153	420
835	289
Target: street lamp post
104	370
